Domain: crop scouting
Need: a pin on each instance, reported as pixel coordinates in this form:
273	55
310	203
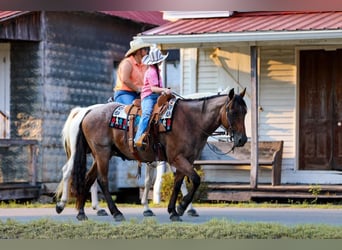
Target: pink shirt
150	79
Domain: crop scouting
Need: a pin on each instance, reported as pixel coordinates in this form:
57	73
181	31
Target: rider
130	76
152	89
130	73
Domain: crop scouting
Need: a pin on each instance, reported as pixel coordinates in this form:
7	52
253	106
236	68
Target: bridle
225	117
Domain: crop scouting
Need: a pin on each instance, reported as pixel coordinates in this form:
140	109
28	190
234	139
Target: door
320	118
4	90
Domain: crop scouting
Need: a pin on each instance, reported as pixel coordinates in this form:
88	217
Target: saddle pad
166	118
119	118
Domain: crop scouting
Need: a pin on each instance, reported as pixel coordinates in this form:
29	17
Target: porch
281	193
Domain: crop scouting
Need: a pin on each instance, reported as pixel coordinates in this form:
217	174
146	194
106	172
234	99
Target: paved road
285	216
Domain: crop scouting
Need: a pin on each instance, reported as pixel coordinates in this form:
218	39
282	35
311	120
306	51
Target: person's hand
167	91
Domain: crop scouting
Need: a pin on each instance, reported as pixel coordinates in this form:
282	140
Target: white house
298	90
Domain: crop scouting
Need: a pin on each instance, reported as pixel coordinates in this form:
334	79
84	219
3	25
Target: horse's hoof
175	217
192	212
119	217
59	208
101	212
148	213
81	217
180	210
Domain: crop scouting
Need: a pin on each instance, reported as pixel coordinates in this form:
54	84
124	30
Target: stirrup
140	142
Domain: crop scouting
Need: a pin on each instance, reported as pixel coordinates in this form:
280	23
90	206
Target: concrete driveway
285	216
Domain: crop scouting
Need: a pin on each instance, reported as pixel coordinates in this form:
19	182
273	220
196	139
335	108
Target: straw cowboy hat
155	56
136	45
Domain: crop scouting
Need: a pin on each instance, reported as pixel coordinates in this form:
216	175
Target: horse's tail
66	130
80	167
66	143
69	132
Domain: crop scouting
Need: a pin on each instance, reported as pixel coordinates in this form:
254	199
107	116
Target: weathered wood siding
25	27
25	109
79	51
71	66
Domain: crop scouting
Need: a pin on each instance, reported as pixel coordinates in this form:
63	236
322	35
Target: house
52	61
296	92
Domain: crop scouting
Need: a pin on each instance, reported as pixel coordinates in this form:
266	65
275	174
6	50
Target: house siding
278	99
230	68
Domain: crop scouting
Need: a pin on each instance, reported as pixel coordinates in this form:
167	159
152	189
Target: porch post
254	117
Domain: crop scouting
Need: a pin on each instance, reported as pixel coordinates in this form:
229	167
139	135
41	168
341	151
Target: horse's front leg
187	199
174	216
183	167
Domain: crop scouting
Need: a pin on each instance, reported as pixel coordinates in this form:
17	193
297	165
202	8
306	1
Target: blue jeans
147	105
125	97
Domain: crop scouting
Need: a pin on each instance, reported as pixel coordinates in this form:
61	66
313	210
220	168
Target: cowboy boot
140	143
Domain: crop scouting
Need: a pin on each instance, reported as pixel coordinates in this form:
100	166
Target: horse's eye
233	113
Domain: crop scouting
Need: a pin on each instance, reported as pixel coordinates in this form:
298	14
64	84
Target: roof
148	17
248	27
251	22
10	14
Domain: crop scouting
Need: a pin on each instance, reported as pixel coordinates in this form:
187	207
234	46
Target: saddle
134	110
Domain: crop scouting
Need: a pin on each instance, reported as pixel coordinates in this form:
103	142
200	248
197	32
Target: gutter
235	37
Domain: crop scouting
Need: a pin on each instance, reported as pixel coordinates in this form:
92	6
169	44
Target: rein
212	149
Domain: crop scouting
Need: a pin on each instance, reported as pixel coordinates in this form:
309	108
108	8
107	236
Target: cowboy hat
136	45
155	56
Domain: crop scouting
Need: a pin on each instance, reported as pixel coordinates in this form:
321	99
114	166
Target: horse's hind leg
102	178
149	173
67	168
95	201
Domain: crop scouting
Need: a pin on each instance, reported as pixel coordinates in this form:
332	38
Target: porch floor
285	193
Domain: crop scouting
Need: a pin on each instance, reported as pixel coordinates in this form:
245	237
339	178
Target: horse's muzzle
240	140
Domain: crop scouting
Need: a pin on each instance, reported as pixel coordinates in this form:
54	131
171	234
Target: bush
167	187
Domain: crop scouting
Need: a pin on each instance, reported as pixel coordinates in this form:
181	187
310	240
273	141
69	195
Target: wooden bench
270	157
33	147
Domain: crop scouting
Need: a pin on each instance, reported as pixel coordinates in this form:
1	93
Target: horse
69	133
194	120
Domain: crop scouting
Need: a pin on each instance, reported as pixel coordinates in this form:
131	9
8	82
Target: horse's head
233	117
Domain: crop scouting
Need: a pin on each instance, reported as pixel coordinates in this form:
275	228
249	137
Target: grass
151	229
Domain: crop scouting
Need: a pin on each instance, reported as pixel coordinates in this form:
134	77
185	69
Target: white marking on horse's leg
94	197
157	183
67	169
149	172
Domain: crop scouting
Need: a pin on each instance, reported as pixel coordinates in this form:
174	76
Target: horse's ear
231	94
243	92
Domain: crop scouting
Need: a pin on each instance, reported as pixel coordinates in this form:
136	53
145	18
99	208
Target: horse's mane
204	98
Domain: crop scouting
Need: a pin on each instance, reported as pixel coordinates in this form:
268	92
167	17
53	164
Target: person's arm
125	74
163	91
153	78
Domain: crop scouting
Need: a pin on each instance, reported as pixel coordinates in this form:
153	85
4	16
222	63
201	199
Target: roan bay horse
69	134
193	122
